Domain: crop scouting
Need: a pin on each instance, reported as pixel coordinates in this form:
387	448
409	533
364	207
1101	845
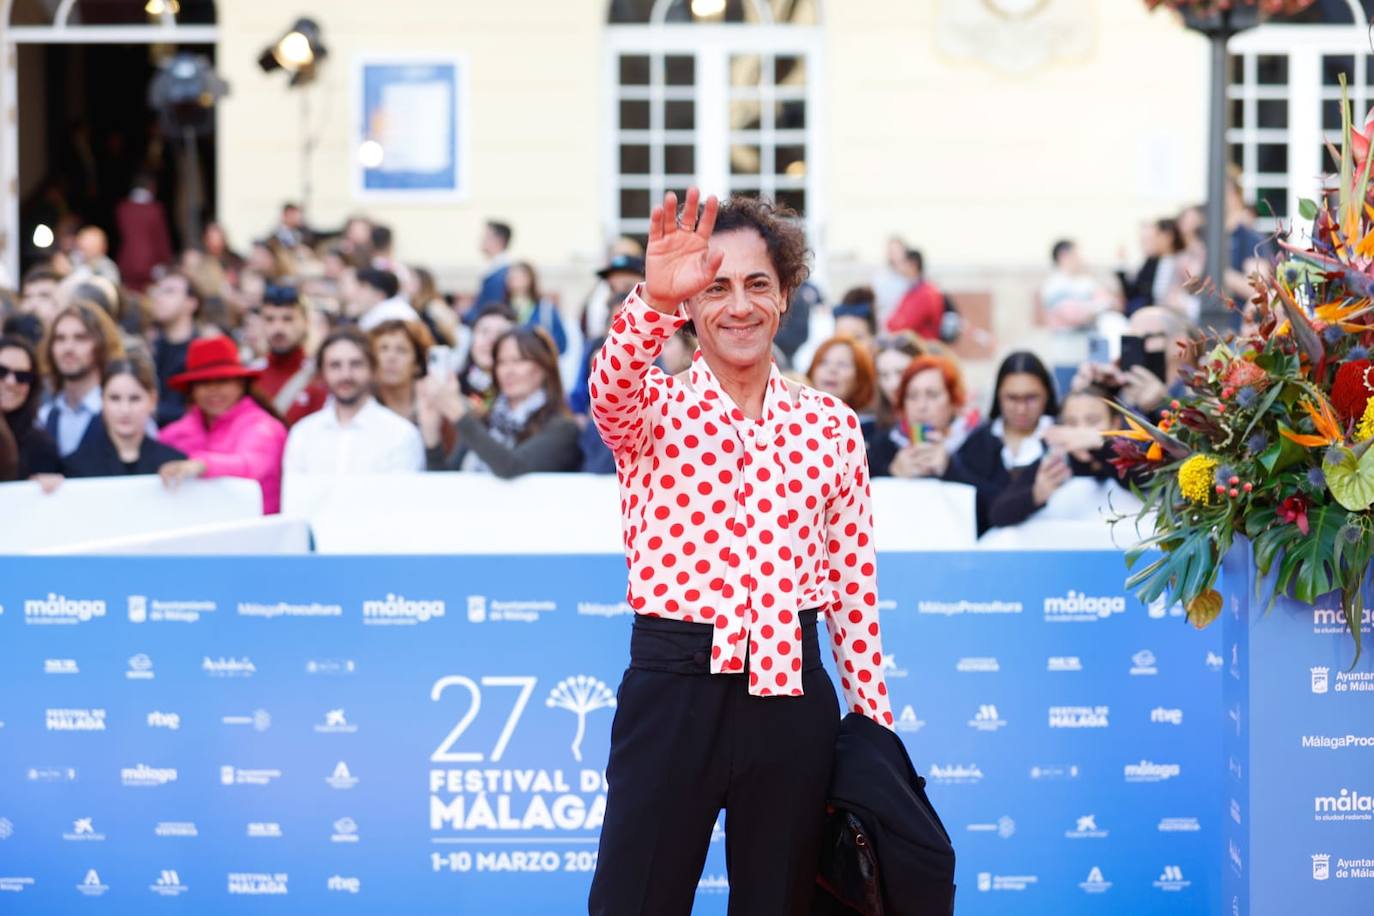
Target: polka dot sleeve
619	396
852	617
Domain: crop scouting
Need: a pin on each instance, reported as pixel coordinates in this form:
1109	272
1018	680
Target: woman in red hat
227	432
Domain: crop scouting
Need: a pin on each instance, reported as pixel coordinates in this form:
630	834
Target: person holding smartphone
1155	350
932	424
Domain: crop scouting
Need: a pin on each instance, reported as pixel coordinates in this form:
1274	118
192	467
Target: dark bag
951	322
885	851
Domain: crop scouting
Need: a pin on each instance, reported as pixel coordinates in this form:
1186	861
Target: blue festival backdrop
375	734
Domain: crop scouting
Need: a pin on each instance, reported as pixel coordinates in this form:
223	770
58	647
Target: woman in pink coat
227	432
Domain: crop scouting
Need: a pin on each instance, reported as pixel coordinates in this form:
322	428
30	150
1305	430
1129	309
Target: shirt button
699	658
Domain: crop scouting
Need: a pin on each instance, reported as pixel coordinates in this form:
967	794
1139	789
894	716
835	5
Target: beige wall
534	90
981	169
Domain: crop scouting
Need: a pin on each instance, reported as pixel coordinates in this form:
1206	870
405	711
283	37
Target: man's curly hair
781	230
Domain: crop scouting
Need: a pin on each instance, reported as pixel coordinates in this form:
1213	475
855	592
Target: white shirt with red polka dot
741	523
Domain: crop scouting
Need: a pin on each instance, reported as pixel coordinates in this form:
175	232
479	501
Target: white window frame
1304	46
64	32
712	45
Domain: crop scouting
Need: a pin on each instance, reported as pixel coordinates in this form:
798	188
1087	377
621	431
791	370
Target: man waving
746	514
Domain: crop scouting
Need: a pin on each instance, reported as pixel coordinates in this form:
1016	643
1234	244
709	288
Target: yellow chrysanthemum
1366	428
1196	477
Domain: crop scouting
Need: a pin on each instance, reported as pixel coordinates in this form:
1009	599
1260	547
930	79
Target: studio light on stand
299	52
184	92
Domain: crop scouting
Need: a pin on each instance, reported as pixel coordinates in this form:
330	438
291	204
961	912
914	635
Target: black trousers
686	743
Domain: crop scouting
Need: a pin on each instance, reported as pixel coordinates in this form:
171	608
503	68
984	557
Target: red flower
1293	510
1242	373
1352	388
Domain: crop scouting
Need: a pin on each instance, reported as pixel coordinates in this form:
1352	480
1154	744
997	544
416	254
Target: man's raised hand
678	263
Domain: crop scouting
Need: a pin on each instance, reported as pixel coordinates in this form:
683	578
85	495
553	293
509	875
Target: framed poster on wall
410	128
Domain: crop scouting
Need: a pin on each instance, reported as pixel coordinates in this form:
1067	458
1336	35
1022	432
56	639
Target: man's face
285	327
40	298
73	348
347	373
171	300
491	243
291	217
855	327
737	314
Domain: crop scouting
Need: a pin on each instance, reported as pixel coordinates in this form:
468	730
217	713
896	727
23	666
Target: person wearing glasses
1024	406
20	397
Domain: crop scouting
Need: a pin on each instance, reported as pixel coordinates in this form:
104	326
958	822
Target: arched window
720	93
1285	93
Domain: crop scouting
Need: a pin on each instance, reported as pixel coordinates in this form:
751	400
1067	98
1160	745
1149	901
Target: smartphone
440	361
1099	350
1133	354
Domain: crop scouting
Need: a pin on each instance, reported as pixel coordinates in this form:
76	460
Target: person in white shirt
353	433
377	297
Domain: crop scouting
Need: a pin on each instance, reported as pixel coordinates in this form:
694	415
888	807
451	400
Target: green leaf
1350	478
1283	454
1307	209
1308	564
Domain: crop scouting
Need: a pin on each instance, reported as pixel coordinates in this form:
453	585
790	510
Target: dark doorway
86	131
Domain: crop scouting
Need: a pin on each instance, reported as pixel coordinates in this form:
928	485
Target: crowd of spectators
325	353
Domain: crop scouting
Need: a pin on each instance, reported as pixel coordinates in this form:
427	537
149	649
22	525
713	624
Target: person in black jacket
1076	448
528	428
1024	405
20	396
117	443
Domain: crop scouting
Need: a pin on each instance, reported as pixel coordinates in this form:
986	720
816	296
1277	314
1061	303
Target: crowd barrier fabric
420	734
118	507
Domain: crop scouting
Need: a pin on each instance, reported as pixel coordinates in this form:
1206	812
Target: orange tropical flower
1323	419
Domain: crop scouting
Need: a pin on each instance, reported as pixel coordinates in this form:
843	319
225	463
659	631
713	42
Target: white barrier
271	535
457	513
1083	514
99	509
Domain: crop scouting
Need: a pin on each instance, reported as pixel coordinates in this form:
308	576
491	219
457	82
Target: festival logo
1053	772
83	831
61	610
1079	717
330	666
283	609
977	665
1143	664
50	774
60	666
989	882
257	883
236	776
1171	879
580	695
1161	715
91	885
1178	825
1004	827
1085	828
1214	662
397	610
1347	805
168	884
228	667
140	668
168	720
260	720
264	830
1063	663
341	778
12	884
1076	607
184	829
75	720
908	721
345	831
1146	771
986	719
1235	810
144	776
955	774
1095	883
960	608
343	885
335	723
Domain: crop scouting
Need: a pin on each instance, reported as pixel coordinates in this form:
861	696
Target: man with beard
353	434
289	380
174	303
80	342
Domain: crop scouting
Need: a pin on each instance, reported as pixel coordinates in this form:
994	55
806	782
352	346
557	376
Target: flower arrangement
1210	7
1273	439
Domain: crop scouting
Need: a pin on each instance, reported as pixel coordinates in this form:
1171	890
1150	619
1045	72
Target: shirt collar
90	403
360	419
774	398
